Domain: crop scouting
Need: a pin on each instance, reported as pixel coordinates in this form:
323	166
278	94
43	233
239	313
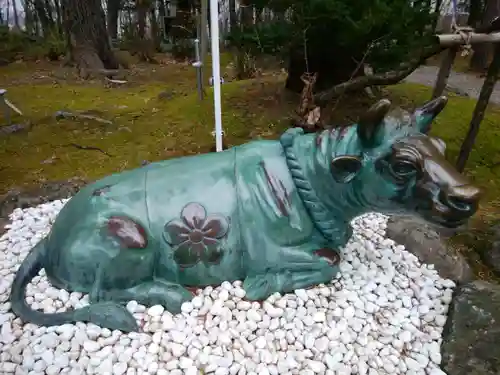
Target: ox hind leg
127	278
299	271
149	293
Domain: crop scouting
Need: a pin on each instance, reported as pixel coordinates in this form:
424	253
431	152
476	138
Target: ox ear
345	168
428	112
369	124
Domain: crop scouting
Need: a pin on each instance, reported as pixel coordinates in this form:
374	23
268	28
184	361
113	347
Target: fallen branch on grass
12	106
115	80
73	115
15	128
382	79
87	148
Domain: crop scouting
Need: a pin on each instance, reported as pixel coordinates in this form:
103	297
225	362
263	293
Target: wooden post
444	71
478	115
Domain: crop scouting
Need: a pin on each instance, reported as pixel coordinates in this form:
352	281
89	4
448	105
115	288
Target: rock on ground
426	243
471	344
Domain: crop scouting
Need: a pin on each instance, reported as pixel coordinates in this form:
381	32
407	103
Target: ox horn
370	122
428	112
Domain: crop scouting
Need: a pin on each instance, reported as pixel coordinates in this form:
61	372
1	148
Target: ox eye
403	168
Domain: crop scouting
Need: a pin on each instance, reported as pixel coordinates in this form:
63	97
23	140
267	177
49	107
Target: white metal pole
214	36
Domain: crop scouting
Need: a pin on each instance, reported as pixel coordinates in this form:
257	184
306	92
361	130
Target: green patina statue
270	213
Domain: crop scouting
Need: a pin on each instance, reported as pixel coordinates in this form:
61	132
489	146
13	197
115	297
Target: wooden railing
454	42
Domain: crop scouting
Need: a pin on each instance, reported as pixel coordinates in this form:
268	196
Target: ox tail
105	314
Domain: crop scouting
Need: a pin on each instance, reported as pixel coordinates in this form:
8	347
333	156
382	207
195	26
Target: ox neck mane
308	158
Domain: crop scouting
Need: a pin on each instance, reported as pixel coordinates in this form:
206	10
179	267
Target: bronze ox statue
270	213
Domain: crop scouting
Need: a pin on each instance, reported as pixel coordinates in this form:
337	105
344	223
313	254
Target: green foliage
11	43
183	49
389	29
262	38
15	44
128	37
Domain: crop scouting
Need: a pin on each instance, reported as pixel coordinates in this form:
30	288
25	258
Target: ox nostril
462	198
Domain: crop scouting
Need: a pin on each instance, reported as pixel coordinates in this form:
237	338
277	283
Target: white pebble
383	302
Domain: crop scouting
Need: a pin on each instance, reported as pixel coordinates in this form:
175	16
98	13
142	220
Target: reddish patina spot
281	196
130	234
342	132
330	255
319	138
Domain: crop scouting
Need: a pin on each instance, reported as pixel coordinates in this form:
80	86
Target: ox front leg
298	272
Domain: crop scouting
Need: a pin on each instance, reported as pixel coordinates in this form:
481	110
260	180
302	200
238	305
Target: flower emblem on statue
195	236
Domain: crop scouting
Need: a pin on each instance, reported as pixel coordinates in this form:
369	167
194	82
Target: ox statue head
392	164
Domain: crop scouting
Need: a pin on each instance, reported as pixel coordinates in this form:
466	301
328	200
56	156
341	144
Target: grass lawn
157	115
461	63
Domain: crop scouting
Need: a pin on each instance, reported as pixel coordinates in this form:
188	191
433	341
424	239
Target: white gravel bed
383	315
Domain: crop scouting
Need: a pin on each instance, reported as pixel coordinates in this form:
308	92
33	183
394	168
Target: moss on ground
157	115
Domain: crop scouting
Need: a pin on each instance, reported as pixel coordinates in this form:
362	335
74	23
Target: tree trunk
204	30
29	18
143	44
8	12
57	6
480	57
244	69
141	18
113	9
437	6
475	10
43	17
89	42
162	12
16	16
232	15
437	11
246	13
48	9
155	28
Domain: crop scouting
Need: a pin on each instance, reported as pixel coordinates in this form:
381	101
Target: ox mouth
443	220
450	223
436	212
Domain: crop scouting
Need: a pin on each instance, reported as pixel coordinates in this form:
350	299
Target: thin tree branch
388	78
